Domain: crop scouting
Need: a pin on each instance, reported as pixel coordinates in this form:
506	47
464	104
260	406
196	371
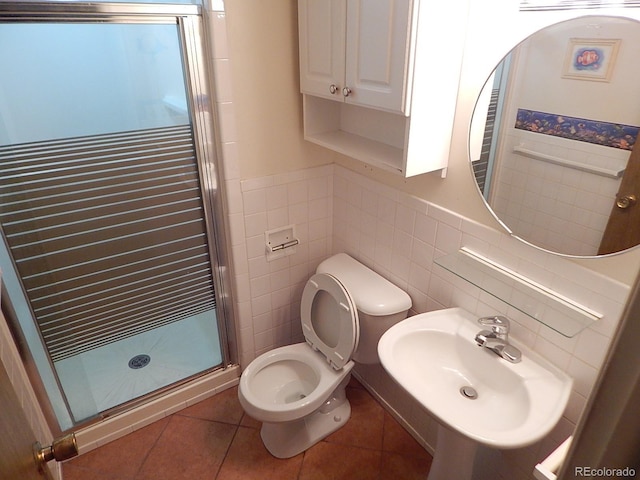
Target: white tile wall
230	172
397	235
562	208
303	199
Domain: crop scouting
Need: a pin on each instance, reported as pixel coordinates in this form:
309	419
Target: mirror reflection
553	135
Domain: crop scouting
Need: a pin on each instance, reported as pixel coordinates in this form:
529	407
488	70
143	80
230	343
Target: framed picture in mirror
590	59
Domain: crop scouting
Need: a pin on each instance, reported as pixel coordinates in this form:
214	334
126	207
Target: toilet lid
329	319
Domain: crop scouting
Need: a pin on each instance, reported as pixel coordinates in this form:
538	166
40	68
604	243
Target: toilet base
288	439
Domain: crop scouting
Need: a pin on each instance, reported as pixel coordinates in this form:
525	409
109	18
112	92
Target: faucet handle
499	324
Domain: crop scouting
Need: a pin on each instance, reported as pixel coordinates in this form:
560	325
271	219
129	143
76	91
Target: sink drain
469	392
139	361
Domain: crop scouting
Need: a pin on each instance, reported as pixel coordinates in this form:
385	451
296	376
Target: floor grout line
226	453
146	456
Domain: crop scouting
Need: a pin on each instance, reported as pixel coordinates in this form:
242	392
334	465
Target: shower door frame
197	68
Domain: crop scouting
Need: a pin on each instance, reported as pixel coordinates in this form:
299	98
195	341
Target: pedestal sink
480	399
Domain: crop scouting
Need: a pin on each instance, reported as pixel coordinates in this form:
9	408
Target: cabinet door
322	46
378	53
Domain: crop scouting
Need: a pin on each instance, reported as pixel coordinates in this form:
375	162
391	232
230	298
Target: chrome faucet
497	339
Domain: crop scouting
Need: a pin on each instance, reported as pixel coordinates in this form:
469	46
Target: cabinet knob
333	88
346	91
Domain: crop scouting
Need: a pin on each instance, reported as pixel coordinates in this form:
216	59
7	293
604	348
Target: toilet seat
329	319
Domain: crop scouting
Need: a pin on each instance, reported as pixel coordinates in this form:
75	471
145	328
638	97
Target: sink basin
434	357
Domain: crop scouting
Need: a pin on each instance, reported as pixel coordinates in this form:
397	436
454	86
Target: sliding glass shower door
106	207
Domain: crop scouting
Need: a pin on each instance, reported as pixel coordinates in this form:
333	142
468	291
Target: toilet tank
380	303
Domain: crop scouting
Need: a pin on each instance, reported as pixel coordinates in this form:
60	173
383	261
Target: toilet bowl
298	391
297	395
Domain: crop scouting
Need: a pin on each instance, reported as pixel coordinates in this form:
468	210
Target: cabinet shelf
371	136
361	148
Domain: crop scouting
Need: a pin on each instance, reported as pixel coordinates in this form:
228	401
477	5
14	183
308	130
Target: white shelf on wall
364	149
556	311
543	157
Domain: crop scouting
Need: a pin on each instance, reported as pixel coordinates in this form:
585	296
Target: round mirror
552	137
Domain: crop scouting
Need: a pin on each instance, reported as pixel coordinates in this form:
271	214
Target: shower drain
139	361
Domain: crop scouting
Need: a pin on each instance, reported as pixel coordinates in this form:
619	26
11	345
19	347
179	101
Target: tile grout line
226	453
155	443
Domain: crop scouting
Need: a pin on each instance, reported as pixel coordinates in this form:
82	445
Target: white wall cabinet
380	79
356	53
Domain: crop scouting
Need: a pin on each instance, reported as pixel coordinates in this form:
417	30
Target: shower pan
109	212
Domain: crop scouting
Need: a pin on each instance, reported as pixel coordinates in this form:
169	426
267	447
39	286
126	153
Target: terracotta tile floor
214	439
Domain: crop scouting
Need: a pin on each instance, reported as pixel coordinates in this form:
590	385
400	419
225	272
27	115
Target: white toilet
298	391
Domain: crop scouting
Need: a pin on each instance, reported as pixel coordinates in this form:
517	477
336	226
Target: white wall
268	108
394	225
540	85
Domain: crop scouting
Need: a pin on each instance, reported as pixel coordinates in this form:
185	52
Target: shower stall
112	250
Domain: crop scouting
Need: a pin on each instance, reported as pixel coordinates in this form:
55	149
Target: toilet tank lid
372	294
